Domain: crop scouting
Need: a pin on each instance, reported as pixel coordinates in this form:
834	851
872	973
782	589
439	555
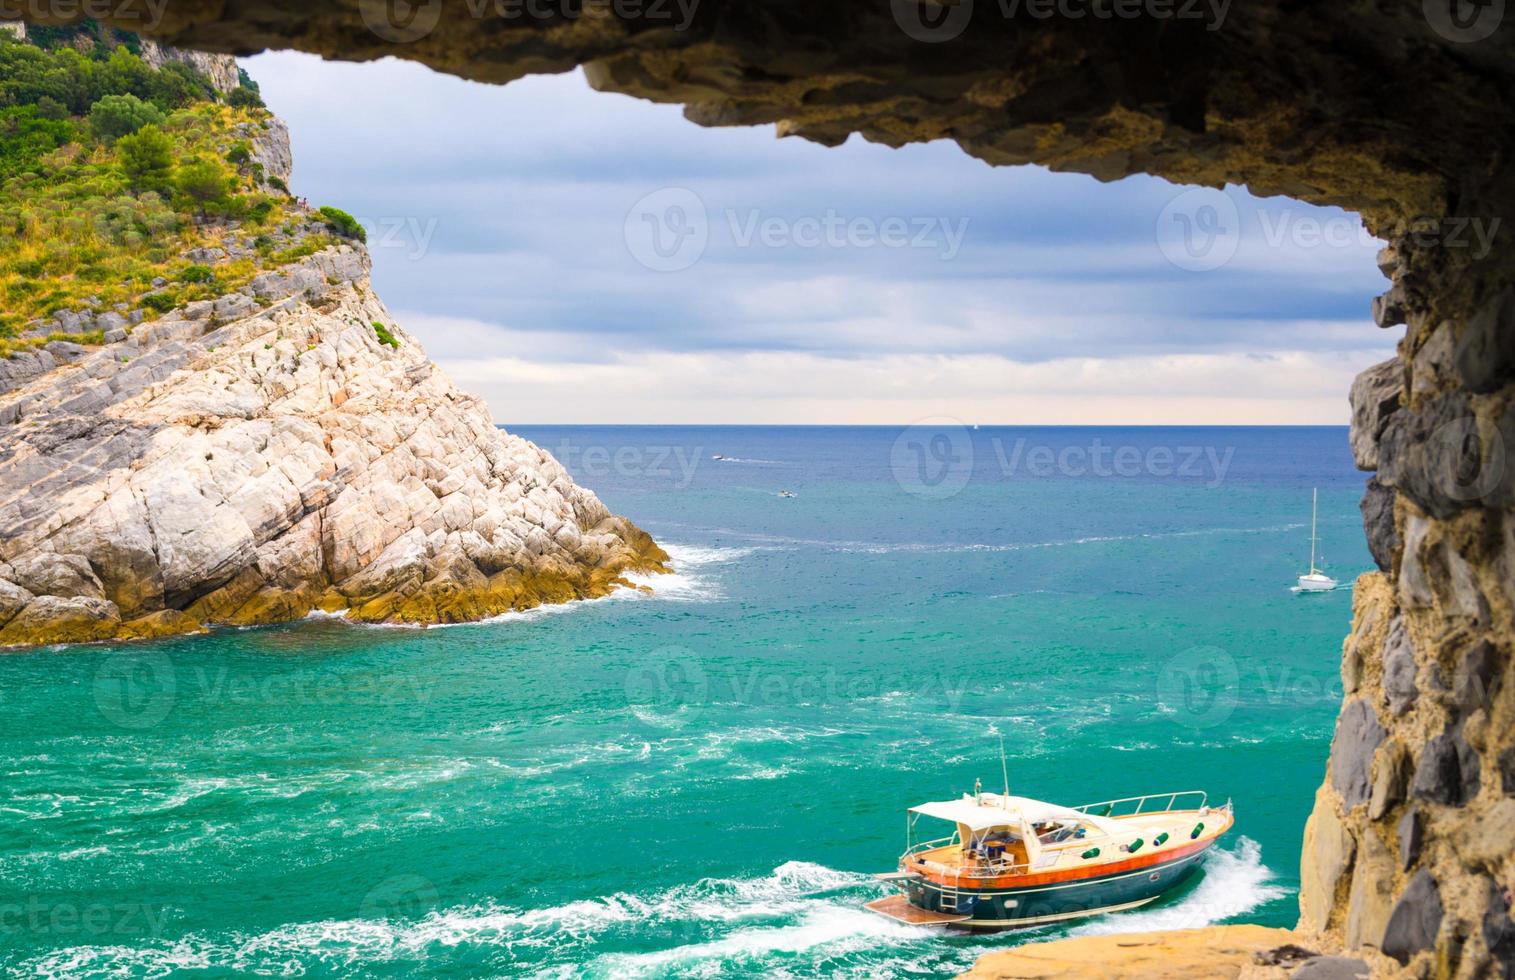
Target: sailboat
1315	580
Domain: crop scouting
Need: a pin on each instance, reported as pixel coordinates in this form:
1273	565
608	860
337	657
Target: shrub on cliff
244	98
385	337
26	136
77	79
115	116
203	186
147	156
343	223
112	171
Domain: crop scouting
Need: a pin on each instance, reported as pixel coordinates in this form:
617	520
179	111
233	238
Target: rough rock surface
255	458
1185	954
1395	124
221	71
1433	631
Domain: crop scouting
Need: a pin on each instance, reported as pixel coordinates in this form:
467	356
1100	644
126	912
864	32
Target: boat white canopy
993	810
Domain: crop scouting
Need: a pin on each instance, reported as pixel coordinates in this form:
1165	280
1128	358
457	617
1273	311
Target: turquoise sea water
699	782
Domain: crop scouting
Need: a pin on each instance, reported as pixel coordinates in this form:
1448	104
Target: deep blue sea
700	781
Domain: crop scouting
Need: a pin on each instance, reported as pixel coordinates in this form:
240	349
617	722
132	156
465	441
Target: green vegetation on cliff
130	189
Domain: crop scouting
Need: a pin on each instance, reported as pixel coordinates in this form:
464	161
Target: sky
584	257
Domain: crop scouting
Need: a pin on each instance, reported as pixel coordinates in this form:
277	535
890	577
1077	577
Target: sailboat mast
1314	501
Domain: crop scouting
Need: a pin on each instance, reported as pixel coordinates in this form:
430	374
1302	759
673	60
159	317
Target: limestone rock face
219	68
1185	954
251	466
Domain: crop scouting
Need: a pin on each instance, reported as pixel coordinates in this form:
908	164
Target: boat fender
1160	839
1199	828
1092	852
1134	846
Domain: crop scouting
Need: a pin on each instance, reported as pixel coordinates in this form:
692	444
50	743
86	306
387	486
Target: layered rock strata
252	459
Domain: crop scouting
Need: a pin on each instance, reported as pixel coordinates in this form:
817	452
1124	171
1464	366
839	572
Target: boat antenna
1004	769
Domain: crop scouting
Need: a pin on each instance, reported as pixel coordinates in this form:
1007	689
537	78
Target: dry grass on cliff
81	230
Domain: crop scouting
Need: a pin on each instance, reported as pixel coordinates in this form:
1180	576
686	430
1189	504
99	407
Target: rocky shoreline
280	449
253	459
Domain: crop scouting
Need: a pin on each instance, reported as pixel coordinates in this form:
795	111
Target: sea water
700	781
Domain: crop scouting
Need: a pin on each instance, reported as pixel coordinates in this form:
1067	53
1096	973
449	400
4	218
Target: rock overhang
1393	112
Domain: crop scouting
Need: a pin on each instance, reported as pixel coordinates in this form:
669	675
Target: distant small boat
1315	580
1013	861
787	493
717	456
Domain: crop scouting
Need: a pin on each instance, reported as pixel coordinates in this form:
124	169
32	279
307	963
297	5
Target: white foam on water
836	928
799	914
1235	883
323	614
795	889
898	547
678	585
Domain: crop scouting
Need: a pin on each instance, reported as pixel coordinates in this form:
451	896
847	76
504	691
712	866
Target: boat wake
797	906
946	548
1234	883
802	917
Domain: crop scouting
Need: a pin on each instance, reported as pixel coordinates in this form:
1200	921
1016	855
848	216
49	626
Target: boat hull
997	906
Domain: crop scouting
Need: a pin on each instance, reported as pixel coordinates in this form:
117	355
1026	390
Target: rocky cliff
1409	855
282	447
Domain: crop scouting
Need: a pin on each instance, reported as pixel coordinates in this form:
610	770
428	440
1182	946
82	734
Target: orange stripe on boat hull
1095	869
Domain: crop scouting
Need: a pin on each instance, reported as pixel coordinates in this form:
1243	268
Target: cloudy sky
582	257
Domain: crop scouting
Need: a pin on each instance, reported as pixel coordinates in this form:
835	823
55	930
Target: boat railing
1132	805
984	866
981	866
